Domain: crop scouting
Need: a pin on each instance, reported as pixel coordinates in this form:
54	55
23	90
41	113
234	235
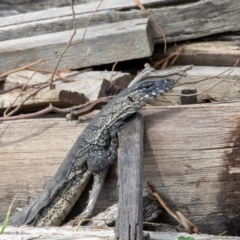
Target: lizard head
144	91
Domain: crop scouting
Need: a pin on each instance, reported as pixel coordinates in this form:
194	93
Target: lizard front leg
102	157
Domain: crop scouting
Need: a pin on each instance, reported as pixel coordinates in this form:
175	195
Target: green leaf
185	238
7	217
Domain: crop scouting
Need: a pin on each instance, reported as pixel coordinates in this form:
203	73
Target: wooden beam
86	233
102	44
129	224
180	20
92	84
215	53
191	156
206	78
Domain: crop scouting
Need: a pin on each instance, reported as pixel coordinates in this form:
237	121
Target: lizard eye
147	86
130	99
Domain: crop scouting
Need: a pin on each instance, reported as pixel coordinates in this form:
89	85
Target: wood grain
202	78
93	85
204	53
129	224
191	156
104	44
180	20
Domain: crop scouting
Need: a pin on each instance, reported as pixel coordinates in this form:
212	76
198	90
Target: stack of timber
79	88
115	25
191	152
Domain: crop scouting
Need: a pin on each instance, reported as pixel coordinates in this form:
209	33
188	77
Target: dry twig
119	58
88	22
189	226
68	44
23	89
157	27
25	99
207	89
22	68
166	60
96	104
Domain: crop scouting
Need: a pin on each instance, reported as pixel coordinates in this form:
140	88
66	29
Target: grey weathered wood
129	224
92	84
209	53
190	156
86	233
227	90
179	22
105	41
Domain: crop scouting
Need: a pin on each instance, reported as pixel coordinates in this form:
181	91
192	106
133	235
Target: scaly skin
93	152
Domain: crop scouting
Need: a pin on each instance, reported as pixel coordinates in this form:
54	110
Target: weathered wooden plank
86	233
181	21
191	156
79	9
105	42
215	53
225	91
129	224
93	85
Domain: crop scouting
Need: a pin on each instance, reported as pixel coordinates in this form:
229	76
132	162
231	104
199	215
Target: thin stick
206	78
189	226
160	31
44	111
73	111
26	98
68	44
23	89
207	89
88	22
157	27
22	68
119	58
176	54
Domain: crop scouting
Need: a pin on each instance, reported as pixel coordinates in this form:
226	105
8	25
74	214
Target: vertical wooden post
129	225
